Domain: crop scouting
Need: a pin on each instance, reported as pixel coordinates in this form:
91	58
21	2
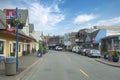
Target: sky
57	17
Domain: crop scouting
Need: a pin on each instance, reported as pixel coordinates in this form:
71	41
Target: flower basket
13	22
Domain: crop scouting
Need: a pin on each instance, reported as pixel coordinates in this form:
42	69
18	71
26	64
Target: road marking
84	73
69	59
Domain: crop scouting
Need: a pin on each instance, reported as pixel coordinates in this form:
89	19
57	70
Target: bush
33	50
70	50
24	53
40	48
115	54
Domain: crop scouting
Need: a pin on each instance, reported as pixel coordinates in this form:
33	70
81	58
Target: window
10	47
1	47
14	47
19	47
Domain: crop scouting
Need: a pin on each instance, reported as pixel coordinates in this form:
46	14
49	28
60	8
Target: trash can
10	66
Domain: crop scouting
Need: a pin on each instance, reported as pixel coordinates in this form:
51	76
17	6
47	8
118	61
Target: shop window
14	47
1	47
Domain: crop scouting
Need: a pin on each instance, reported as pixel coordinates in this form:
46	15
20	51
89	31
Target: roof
24	35
31	28
107	27
22	17
111	36
94	34
2	20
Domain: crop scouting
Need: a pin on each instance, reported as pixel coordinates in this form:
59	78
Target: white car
94	53
58	48
75	49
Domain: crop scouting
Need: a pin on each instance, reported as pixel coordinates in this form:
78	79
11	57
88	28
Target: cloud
44	17
83	18
109	22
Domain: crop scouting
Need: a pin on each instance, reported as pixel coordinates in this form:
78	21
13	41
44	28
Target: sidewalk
104	61
24	63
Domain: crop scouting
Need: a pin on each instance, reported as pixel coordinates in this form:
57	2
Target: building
106	43
67	41
53	41
110	30
87	38
8	39
72	38
83	38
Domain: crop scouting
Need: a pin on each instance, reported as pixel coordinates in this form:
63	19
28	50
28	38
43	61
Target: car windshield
59	39
95	51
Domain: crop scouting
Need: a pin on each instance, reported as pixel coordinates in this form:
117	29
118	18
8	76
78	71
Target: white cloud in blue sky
62	16
83	18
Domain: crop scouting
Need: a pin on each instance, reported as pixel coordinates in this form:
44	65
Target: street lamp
17	41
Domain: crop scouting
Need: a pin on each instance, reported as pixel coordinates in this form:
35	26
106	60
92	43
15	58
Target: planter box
106	56
115	59
39	54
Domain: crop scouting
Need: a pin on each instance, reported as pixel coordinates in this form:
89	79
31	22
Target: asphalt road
70	66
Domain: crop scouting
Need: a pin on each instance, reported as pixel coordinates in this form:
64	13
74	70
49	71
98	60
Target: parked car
94	53
84	51
75	49
58	48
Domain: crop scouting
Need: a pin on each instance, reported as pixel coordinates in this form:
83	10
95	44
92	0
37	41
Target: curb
110	64
18	77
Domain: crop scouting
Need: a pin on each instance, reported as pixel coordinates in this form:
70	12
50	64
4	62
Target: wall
10	39
101	34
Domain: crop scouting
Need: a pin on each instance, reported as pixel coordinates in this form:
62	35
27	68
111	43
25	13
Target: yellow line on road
84	73
69	59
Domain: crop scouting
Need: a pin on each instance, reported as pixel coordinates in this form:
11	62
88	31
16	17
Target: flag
10	13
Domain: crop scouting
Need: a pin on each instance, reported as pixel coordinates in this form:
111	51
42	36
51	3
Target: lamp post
17	41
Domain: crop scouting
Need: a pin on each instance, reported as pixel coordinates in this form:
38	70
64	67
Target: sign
10	13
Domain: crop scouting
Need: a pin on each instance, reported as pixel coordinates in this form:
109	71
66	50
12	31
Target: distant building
53	41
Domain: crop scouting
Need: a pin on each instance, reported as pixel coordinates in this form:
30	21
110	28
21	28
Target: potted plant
106	55
115	57
40	51
24	53
14	21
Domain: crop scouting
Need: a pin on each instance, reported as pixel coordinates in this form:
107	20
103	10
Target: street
60	65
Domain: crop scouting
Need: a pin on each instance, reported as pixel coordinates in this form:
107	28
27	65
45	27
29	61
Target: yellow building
26	42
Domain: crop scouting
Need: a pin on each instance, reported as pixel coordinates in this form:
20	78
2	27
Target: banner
10	13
